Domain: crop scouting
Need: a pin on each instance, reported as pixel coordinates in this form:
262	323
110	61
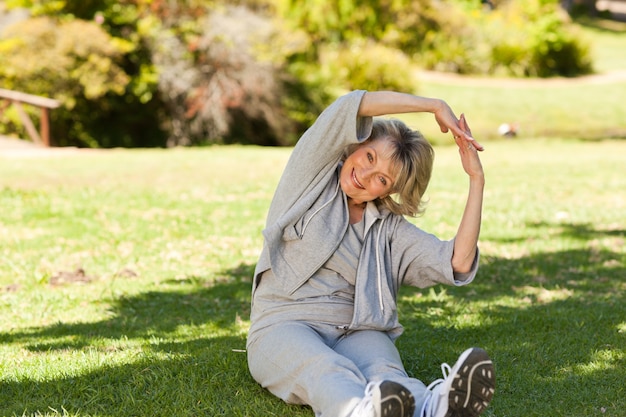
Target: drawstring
378	266
378	263
330	200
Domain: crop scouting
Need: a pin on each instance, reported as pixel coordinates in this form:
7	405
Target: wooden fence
16	98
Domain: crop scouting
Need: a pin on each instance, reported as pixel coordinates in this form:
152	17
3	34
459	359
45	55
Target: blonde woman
337	247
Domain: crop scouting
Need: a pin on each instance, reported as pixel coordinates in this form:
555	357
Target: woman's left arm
466	241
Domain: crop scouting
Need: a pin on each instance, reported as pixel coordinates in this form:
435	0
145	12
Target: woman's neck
356	210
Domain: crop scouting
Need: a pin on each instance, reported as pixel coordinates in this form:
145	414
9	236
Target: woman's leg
294	362
377	357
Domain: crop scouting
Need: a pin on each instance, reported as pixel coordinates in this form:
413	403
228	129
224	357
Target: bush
519	38
220	88
456	45
556	50
366	65
78	63
343	45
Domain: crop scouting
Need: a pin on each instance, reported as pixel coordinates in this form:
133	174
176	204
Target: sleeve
423	260
319	150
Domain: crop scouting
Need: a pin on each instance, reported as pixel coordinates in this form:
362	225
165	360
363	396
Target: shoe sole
395	400
473	385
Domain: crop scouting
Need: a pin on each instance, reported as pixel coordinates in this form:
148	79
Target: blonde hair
412	158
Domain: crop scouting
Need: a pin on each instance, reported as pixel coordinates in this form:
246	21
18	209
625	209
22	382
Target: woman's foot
385	399
466	389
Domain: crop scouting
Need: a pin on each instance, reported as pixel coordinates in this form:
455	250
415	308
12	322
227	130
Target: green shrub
536	38
556	50
366	65
78	63
519	38
455	46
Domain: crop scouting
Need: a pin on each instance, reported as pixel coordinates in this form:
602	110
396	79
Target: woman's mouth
356	181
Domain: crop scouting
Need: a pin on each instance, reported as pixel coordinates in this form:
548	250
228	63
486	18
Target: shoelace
366	405
427	407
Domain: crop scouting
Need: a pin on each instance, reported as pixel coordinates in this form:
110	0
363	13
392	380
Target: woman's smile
356	180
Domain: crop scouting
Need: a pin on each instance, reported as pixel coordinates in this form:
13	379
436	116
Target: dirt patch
70	277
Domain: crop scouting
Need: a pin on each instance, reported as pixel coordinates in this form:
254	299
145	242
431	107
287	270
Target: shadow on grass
609	24
555	324
579	231
185	358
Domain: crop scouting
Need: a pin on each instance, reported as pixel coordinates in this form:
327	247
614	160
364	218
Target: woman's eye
383	180
370	157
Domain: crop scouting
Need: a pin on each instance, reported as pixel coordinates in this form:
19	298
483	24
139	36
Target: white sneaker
385	399
465	390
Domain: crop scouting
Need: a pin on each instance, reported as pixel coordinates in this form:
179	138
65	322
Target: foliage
223	88
259	71
523	38
367	65
398	22
342	45
520	38
85	68
556	51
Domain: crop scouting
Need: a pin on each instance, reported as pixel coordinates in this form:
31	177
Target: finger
477	145
468	132
462	139
464	125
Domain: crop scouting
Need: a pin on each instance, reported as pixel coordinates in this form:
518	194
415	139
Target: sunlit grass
606	43
167	241
570	110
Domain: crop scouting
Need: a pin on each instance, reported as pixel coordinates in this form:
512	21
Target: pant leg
294	362
377	357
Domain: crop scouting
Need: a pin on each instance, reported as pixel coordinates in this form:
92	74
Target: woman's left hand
467	150
466	241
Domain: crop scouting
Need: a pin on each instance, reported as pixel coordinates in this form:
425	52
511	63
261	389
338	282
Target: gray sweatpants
324	366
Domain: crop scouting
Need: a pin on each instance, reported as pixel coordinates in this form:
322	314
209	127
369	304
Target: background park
127	247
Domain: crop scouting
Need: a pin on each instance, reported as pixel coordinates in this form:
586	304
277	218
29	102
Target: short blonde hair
412	158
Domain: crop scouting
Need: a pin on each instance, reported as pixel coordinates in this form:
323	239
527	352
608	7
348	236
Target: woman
337	248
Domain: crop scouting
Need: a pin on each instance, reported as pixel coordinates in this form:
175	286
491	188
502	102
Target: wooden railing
16	99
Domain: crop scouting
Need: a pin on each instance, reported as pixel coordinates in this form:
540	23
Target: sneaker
465	390
385	399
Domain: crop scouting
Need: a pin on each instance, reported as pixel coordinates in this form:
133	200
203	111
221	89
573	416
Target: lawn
125	280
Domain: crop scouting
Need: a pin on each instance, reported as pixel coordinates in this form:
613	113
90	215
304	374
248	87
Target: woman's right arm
379	103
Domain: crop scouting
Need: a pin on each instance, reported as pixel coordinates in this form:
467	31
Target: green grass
587	110
168	239
606	40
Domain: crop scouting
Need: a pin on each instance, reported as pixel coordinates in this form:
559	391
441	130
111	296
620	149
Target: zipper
330	200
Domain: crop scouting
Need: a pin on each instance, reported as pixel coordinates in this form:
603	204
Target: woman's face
368	174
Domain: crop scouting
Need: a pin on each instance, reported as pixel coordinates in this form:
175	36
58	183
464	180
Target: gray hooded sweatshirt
308	218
